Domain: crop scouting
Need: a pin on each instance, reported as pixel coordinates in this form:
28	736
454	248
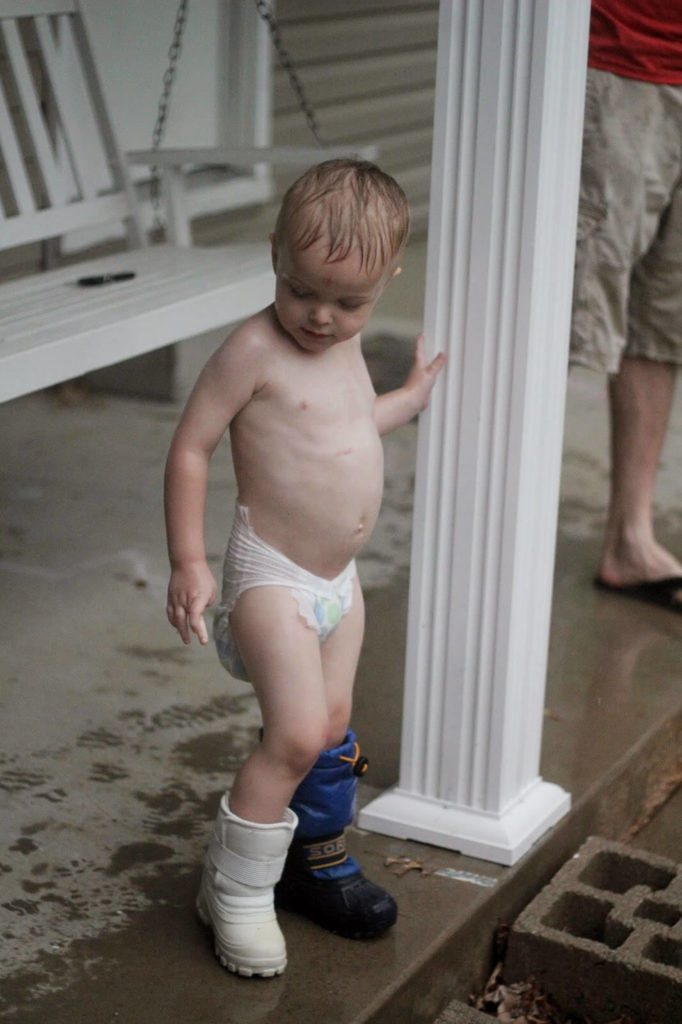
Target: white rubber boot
244	861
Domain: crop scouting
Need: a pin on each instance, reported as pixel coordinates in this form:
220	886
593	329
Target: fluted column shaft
506	160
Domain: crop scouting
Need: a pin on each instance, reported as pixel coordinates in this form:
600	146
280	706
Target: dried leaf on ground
519	1003
401	865
524	1003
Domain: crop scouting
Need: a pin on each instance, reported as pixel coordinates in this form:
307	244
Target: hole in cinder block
586	918
662	913
664	951
615	872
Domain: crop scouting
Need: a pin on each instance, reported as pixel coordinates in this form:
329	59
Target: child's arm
398	407
192	587
223	388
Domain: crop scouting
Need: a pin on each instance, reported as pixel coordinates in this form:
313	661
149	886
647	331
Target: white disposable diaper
250	562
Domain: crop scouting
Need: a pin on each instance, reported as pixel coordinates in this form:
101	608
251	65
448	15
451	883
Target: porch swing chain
266	14
164	107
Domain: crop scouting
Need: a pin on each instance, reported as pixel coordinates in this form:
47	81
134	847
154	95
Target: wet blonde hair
350	204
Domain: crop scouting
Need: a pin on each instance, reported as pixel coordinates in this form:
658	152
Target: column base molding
501	838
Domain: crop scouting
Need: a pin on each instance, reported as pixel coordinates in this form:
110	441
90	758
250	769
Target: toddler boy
305	425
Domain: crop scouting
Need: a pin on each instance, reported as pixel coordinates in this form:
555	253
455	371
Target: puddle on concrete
107	773
613	667
180	810
16	780
131	974
132	855
100	739
217	752
137	791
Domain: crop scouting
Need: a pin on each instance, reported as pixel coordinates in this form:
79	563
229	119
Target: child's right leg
282	656
254	825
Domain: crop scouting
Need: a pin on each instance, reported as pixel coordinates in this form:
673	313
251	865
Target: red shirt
638	39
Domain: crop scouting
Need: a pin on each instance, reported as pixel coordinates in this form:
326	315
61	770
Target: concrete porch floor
116	741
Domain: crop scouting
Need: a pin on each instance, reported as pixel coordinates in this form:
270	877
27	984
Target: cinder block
604	938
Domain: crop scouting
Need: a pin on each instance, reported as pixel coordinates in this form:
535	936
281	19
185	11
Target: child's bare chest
314	394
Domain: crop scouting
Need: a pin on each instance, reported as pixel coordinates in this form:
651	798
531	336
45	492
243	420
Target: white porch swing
52	327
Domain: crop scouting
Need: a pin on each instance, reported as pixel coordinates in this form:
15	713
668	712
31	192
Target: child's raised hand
423	375
191	590
396	408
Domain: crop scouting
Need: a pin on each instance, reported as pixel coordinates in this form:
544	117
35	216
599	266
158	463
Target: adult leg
626	301
640	398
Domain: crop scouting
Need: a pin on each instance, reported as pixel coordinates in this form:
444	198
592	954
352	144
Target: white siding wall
368	68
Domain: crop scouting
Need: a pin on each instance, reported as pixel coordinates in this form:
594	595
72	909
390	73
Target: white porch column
508	122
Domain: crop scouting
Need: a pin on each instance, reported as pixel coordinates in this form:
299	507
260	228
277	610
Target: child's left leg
340	654
320	879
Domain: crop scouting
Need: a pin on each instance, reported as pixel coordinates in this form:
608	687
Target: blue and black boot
320	879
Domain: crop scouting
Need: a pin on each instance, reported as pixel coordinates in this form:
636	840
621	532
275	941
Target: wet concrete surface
117	742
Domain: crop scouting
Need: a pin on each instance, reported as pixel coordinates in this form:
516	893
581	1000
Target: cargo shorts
627	298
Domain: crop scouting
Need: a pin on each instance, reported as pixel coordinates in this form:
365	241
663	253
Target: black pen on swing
94	279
